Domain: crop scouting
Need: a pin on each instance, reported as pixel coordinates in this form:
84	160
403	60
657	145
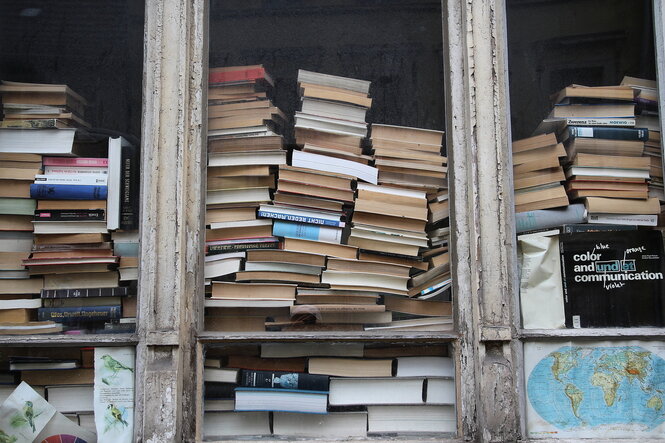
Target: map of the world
595	391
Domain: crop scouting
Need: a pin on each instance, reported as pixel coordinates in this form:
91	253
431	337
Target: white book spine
72	179
93	170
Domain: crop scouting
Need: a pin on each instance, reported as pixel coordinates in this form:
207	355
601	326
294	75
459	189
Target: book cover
43	191
114	394
612	279
283	380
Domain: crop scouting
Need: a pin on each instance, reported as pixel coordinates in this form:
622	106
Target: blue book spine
77	314
43	191
301	219
302	231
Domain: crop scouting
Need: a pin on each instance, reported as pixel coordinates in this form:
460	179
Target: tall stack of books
17	286
340	390
245	145
75	199
538	174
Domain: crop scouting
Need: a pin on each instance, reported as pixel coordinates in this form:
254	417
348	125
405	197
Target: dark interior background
395	44
554	43
95	47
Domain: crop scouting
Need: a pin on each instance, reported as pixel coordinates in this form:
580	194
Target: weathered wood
171	231
659	48
593	333
482	235
404	337
69	340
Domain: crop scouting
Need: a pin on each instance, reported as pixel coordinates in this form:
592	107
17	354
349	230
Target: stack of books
67	384
538	174
648	117
605	165
18	288
336	390
37	105
72	248
409	157
332	117
245	146
75	199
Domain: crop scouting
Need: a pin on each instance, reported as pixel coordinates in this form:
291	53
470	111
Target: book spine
306	231
284	380
600	121
42	191
234	76
301	219
79	313
609	133
75	161
549	218
596	227
624	219
75	179
129	189
70	215
236	247
567	309
85	292
39	123
89	170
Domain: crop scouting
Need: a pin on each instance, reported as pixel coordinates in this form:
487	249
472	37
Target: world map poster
598	389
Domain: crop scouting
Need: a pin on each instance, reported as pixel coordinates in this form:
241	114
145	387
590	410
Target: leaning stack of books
338	390
538	174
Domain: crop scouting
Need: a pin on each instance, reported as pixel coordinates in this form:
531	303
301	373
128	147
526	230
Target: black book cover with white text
612	279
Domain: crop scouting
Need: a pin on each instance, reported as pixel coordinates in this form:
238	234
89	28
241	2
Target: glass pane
587	162
328	390
71	93
588	170
327	195
78	383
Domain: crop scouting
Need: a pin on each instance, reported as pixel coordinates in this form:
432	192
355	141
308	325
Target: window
364	282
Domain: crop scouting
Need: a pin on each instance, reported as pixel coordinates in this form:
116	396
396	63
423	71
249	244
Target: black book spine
129	189
564	287
284	380
236	247
608	133
219	390
85	292
67	215
596	227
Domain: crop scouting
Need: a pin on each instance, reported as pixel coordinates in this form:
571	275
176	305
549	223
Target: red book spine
234	76
78	161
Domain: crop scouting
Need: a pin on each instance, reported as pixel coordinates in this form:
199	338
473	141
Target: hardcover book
612	279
